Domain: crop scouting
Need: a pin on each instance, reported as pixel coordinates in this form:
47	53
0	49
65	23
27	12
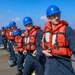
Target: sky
16	10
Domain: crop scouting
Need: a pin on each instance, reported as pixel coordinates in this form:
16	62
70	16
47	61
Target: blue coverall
12	53
35	63
20	61
4	41
59	66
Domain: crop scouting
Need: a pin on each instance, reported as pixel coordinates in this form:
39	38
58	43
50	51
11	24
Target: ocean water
1	37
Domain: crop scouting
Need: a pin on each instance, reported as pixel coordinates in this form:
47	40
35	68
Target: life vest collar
33	29
49	27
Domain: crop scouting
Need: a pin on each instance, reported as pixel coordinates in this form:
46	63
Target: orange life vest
11	34
18	45
55	39
30	38
7	33
3	33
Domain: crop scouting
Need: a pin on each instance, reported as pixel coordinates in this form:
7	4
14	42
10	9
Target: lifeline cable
63	57
66	67
62	62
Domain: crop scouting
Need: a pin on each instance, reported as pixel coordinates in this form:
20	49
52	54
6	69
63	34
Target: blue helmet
52	9
8	26
3	27
16	32
12	23
27	20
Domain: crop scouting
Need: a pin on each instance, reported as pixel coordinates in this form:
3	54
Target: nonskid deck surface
5	69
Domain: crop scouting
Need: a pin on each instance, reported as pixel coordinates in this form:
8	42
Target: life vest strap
61	46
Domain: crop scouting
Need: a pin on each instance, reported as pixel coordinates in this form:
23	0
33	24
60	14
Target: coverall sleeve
38	41
70	36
